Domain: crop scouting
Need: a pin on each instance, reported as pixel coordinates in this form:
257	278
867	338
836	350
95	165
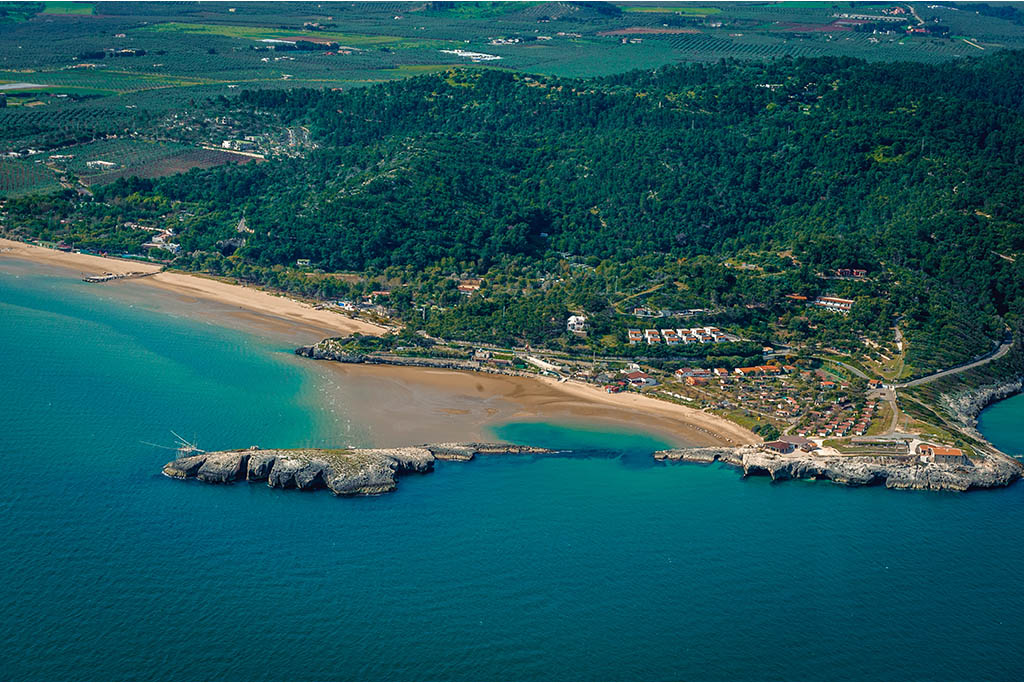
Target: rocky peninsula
345	472
894	473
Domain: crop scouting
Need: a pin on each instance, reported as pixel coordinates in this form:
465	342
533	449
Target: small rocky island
894	473
371	471
346	472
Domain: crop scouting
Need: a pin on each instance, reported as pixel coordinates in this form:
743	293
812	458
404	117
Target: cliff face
991	472
967	405
346	472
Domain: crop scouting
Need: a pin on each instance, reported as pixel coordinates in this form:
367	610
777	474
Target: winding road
1003	349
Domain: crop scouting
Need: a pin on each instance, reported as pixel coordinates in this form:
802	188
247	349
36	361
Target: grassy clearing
703	11
258	33
745	418
881	420
67	8
414	69
483	10
105	81
261	33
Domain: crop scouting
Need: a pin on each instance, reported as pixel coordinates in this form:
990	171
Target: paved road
1003	349
840	363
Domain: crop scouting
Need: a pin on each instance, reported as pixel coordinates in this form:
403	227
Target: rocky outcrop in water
348	472
985	472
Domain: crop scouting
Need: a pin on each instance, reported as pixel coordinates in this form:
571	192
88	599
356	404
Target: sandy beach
256	307
404	405
397	405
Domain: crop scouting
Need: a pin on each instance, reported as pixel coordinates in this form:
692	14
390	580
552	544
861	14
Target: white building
577	324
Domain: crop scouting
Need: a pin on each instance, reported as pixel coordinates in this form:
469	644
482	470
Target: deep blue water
596	565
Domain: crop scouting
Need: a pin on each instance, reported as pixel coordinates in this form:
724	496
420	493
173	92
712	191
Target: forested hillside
908	170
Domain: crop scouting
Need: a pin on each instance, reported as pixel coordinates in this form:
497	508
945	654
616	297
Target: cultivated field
20	177
178	162
117	68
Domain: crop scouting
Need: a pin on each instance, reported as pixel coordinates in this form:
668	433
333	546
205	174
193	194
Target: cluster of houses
366	304
838	421
855	273
161	238
645	312
699	376
633	377
672	337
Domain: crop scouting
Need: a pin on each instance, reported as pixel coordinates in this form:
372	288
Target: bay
595	564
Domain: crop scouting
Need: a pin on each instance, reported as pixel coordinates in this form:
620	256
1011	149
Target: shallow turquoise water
1003	424
599	564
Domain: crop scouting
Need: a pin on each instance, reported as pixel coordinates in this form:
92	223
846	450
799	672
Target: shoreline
967	406
892	473
245	303
373	471
451	404
431	404
420	404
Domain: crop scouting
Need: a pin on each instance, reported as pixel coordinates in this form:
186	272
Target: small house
641	379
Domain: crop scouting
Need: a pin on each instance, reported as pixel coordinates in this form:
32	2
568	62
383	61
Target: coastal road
1003	349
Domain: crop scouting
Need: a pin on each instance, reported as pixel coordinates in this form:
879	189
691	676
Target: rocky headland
345	472
894	473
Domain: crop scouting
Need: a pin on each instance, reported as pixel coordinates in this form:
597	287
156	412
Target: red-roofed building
641	379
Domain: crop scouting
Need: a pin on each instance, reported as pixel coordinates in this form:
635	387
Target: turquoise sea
600	564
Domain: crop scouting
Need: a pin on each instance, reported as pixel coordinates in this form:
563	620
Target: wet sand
417	405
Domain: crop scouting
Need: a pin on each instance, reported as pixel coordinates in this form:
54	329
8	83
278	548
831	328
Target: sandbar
403	405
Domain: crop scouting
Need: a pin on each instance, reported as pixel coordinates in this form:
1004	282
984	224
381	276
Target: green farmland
107	68
19	177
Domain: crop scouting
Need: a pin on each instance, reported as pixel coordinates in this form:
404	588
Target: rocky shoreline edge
345	472
372	471
966	406
987	473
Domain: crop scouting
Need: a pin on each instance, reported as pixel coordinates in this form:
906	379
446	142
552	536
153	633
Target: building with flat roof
833	303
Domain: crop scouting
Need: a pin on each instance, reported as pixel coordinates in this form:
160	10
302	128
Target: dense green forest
605	185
